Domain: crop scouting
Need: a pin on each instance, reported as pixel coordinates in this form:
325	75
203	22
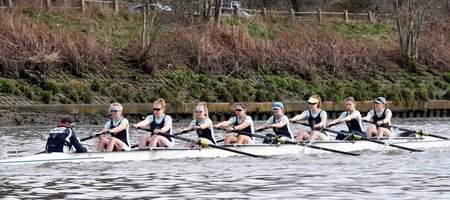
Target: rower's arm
388	117
280	124
297	117
244	124
263	126
119	128
142	123
167	125
224	124
187	128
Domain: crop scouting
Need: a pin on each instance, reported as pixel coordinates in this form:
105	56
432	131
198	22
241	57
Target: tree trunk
218	12
296	5
399	28
144	26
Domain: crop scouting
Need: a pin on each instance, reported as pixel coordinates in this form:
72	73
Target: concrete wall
260	111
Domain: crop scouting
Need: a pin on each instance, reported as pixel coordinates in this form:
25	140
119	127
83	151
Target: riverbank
95	114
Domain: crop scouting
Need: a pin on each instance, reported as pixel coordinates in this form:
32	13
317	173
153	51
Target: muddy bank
15	118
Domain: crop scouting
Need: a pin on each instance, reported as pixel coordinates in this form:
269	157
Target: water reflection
422	175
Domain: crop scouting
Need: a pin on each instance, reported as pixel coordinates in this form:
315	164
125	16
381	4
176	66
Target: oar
358	137
206	144
81	140
281	141
418	132
148	130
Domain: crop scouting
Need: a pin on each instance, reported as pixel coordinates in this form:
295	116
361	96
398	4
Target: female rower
352	119
202	124
279	123
317	118
380	115
159	123
118	127
241	123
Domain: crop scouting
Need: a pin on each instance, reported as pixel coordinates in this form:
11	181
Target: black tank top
155	125
354	125
283	131
247	130
205	133
314	120
121	135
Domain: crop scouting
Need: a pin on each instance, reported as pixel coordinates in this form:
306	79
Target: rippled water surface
423	175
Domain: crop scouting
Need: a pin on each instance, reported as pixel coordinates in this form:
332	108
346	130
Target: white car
153	6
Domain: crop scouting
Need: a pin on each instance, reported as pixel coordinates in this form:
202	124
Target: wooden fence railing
236	11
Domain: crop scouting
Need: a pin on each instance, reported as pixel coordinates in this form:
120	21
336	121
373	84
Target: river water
423	175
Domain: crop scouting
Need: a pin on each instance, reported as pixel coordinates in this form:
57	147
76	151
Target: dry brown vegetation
28	46
306	50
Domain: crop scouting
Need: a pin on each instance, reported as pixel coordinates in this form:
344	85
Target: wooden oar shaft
358	137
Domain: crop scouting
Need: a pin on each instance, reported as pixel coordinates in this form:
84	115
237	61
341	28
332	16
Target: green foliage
51	85
64	100
141	96
46	96
446	76
7	86
255	30
96	85
441	84
355	29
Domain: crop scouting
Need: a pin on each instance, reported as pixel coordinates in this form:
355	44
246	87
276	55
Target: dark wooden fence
318	15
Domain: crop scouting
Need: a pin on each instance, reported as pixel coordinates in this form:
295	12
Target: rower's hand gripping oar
418	132
274	138
148	130
358	137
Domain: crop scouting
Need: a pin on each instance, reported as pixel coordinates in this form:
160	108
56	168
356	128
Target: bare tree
218	12
410	16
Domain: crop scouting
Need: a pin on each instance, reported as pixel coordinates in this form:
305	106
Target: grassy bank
63	56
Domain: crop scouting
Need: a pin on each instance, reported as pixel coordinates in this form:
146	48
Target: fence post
370	17
292	14
83	5
319	16
346	16
264	14
116	6
236	11
10	4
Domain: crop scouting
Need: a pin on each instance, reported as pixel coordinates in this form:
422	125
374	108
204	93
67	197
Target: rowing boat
258	149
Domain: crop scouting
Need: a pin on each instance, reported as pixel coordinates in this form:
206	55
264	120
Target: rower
352	119
118	127
159	123
317	118
241	123
381	116
63	138
202	124
279	124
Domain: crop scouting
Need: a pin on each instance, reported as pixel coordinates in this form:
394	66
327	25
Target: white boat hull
257	149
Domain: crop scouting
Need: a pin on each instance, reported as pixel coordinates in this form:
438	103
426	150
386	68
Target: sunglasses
312	103
238	110
156	109
276	109
114	111
198	111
